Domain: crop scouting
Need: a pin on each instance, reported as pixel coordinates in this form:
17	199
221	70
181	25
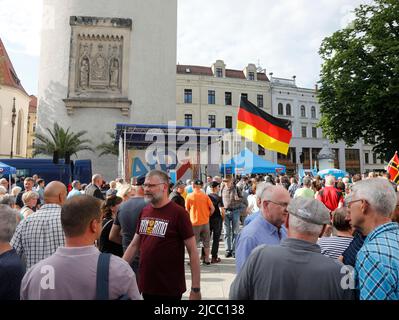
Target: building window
280	109
260	100
219	72
34	127
211	96
314	132
303	131
261	150
313	111
288	109
229	122
366	158
225	147
374	158
227	98
188	120
188	96
251	75
244	95
303	112
212	121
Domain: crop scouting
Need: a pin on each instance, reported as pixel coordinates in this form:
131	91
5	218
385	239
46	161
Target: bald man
39	236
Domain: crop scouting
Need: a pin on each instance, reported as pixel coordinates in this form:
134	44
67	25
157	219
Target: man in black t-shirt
176	196
216	220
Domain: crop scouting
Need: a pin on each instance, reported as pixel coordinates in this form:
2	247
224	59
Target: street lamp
14	115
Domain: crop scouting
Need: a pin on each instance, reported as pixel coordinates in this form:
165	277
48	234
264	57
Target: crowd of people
290	237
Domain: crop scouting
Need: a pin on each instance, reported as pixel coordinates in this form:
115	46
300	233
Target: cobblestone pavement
215	278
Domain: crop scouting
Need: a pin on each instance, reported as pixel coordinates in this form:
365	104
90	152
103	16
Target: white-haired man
94	188
377	263
296	269
268	227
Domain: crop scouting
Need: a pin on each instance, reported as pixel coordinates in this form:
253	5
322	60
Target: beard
153	198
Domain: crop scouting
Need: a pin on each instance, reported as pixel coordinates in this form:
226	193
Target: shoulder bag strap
102	276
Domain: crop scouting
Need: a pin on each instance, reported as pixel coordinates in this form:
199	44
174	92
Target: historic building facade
107	62
300	105
13	138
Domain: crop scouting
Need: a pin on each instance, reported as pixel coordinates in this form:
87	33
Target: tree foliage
359	92
62	141
108	148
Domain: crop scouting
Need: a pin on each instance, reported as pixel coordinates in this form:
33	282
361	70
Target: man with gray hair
268	227
296	269
94	188
331	196
11	268
75	189
259	190
370	208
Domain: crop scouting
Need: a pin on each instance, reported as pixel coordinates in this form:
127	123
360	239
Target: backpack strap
102	276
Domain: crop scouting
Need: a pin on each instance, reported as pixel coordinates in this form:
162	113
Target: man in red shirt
331	196
163	230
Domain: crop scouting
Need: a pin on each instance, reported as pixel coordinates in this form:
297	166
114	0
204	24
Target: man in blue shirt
377	264
259	190
268	227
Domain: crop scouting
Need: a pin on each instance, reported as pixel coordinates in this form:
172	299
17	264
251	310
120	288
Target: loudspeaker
67	158
55	157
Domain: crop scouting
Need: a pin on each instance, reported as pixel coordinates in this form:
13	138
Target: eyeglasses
349	203
281	204
147	185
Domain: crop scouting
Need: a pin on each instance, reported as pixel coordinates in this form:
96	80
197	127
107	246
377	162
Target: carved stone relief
99	61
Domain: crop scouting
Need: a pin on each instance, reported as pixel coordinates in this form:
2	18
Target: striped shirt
377	264
39	236
334	246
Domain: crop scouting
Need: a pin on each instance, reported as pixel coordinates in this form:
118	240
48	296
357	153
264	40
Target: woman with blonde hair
124	192
30	201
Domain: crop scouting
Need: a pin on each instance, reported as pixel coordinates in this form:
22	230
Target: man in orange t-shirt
200	207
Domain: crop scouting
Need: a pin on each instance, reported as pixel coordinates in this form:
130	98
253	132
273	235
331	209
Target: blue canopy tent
6	170
246	162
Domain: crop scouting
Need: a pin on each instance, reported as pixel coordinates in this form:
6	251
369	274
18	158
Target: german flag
264	129
393	168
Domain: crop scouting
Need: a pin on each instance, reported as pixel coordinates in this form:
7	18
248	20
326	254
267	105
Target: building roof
33	104
8	76
207	71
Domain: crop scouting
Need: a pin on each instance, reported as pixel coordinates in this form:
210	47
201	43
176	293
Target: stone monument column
326	157
106	62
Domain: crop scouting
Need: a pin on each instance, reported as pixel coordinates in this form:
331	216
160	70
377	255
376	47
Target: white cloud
20	22
283	35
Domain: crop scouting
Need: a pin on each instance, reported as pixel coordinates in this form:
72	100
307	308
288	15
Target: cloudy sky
283	36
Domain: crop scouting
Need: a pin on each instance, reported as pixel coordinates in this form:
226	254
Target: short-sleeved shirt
162	234
304	193
198	205
11	273
331	197
217	203
74	270
126	218
377	264
333	247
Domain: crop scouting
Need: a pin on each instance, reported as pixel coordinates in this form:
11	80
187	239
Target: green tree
62	141
359	92
108	147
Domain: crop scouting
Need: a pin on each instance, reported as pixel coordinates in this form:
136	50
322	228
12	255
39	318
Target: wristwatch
195	290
